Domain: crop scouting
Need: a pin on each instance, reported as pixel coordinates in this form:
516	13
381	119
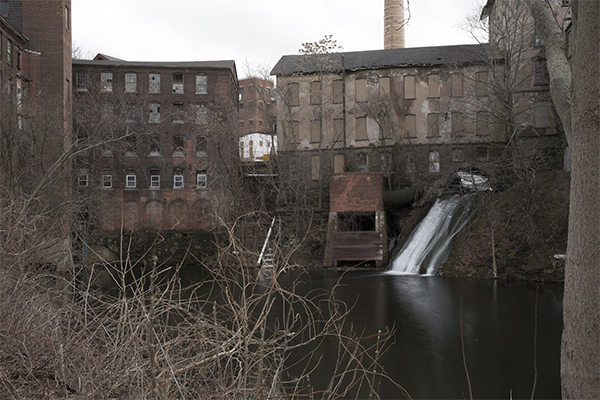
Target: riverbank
528	228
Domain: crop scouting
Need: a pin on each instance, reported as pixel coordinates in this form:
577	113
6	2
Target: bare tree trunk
580	358
549	30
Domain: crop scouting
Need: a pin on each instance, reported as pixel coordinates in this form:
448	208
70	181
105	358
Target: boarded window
294	94
315	130
433	125
362	163
338	91
434	162
458	124
154	83
457	85
458	155
433	85
338	130
106	82
542	114
482	123
410	125
339	162
361	89
294	132
154	113
361	128
384	86
177	83
409	87
130	82
315	92
315	168
201	84
482	84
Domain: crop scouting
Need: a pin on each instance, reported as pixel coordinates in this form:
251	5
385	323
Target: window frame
154	179
178	180
201	179
107	181
202	84
129	182
177	87
130	85
106	84
154	83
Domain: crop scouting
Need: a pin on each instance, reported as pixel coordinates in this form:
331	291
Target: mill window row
153	148
110	181
178	80
385	163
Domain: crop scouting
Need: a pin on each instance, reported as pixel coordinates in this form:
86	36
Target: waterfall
429	244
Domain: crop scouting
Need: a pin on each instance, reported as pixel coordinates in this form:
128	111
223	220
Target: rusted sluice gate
357	227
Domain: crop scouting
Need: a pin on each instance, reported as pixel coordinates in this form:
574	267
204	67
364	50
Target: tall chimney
393	29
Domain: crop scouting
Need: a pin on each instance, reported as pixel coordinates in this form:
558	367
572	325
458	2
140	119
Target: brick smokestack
393	27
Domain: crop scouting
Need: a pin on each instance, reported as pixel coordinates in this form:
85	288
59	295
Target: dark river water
499	324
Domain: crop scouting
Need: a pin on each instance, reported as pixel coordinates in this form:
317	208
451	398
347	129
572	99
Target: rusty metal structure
357	229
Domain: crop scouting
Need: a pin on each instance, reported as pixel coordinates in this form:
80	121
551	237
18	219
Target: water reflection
498	321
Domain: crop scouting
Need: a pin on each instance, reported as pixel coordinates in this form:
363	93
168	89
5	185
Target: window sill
178	154
154	154
201	154
130	154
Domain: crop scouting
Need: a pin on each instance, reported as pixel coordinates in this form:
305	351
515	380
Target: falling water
429	244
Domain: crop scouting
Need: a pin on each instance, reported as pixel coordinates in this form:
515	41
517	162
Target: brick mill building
257	119
168	142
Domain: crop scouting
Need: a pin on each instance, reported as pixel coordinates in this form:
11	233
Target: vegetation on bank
530	228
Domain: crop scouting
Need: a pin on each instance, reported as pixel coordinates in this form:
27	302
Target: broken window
154	146
81	79
154	113
458	155
434	162
178	83
9	46
362	164
386	161
178	144
178	113
106	82
130	145
130	82
202	84
154	83
201	179
201	146
201	113
482	153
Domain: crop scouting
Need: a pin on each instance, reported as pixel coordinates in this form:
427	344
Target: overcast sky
254	32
